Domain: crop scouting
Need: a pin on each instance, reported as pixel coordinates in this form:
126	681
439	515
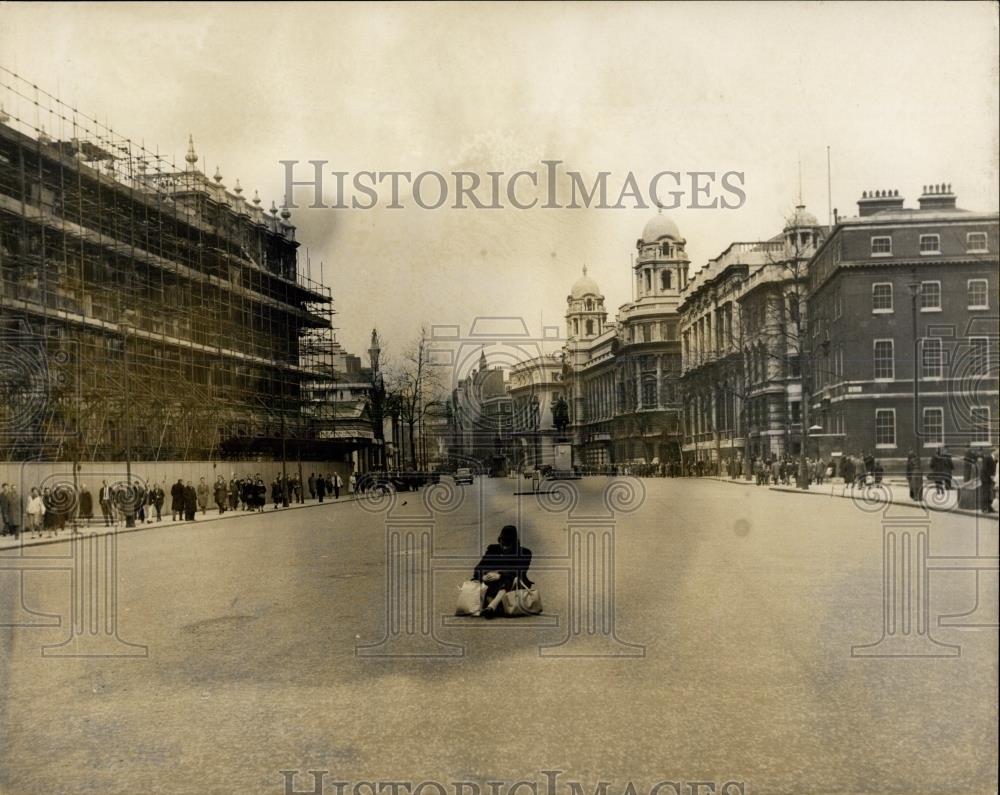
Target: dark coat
190	499
987	469
510	563
15	509
86	505
177	497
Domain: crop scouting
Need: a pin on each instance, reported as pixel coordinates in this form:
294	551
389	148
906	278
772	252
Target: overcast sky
904	95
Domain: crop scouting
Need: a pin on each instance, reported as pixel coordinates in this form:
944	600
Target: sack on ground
522	602
470	598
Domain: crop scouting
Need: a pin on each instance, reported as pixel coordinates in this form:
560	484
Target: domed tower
661	264
585	313
802	231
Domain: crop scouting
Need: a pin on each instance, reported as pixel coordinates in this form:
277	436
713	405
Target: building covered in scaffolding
147	310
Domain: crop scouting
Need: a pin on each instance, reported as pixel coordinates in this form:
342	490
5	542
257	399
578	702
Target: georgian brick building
896	293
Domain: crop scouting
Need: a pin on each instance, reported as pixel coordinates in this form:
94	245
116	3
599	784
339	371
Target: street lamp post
129	506
284	472
915	289
813	430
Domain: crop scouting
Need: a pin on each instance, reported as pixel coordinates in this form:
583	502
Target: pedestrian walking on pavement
937	472
312	486
987	472
221	494
260	494
150	503
320	486
36	513
915	476
86	512
337	483
969	464
15	510
202	493
190	503
233	492
104	497
159	497
177	501
4	509
49	516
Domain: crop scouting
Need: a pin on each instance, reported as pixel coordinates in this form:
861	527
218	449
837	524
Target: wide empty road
736	610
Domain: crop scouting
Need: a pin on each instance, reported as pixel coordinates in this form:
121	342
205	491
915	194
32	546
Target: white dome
801	217
659	226
585	286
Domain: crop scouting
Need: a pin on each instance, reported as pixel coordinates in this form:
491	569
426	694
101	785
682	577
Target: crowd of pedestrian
855	470
669	469
48	510
979	467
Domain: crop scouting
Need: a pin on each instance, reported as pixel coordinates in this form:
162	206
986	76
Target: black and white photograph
448	398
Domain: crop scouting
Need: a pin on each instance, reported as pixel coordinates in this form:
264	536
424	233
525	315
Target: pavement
888	492
735	615
165	523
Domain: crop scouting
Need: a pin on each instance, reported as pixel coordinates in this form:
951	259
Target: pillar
409	618
905	595
93	615
638	383
16	612
591	603
659	381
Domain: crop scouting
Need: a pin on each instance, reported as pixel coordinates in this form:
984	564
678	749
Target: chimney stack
876	201
937	197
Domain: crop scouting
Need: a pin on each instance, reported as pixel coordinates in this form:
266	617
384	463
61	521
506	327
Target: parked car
386	481
464	475
408	480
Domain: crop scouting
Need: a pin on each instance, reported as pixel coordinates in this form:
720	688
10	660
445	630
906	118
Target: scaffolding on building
145	309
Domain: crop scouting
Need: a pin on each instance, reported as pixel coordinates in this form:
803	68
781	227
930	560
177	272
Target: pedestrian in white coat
36	513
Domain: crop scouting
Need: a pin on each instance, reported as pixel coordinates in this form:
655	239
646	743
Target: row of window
932	433
929	296
975	243
932	359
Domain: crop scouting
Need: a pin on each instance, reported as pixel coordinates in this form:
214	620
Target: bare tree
416	386
785	330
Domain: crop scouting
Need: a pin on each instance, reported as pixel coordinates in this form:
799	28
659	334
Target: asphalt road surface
730	658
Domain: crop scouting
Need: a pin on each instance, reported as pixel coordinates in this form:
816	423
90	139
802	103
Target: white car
463	475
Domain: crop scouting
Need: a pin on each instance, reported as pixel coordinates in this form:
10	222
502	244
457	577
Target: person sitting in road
503	568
